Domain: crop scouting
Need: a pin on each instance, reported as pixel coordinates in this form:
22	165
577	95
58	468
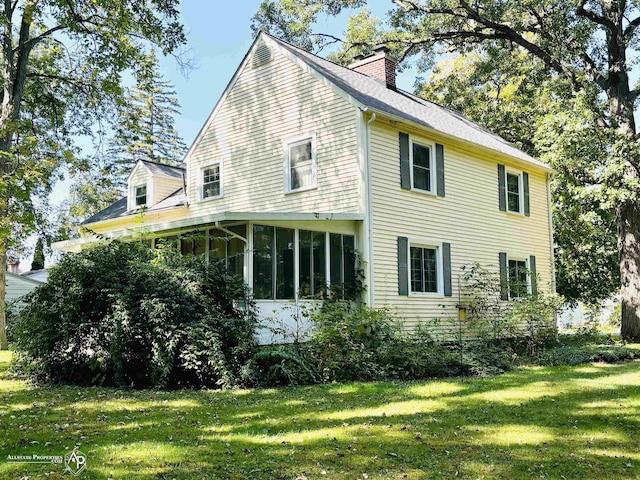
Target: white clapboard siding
266	107
468	218
16	288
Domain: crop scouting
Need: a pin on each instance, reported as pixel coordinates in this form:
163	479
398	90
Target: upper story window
140	195
424	269
514	192
212	181
513	186
301	165
421	167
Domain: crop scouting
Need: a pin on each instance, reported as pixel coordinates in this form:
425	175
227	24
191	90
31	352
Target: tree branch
594	17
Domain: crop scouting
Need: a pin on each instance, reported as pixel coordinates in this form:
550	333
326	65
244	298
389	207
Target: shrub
123	314
575	355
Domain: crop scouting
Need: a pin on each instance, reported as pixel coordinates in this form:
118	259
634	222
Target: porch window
273	262
228	249
312	264
276	276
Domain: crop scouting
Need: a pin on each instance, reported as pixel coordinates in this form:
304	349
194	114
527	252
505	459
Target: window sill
208	199
299	190
515	214
426	295
428	193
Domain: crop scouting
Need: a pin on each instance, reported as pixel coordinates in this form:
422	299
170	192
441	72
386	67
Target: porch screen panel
349	258
263	274
285	263
319	264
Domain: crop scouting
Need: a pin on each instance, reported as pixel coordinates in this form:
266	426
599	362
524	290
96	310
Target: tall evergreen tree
38	256
146	128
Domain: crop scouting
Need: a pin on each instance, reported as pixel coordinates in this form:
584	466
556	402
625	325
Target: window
141	195
193	244
513	193
276	275
421	167
312	278
518	278
211	182
424	269
301	165
228	249
273	262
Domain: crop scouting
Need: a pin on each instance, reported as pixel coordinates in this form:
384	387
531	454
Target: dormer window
141	195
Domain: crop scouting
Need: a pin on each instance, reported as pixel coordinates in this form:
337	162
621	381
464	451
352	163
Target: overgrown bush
578	354
123	314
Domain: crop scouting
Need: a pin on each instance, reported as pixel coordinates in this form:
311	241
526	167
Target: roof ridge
143	160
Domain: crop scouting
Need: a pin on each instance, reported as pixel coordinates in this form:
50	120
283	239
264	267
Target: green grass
555	422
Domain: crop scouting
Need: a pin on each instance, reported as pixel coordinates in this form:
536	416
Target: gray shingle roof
119	208
164	169
375	95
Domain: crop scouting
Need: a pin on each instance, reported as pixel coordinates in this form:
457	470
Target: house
16	287
304	165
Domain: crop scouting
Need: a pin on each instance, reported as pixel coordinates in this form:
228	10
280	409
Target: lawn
555	422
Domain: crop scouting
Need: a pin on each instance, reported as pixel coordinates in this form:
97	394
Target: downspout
369	212
552	259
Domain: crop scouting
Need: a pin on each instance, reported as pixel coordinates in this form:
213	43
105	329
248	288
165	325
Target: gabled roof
161	169
403	105
119	208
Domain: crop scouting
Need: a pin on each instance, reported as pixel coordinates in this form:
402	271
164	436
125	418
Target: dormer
149	183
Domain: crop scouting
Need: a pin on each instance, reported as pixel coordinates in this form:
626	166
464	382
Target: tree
145	127
589	44
38	256
62	63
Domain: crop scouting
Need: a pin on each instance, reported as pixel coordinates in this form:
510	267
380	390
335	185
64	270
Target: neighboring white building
303	163
18	286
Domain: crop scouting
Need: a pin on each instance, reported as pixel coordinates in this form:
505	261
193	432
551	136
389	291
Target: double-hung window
300	165
424	269
513	186
514	192
518	278
421	167
211	181
141	195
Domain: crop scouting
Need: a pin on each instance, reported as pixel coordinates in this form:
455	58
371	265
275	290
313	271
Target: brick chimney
378	65
13	265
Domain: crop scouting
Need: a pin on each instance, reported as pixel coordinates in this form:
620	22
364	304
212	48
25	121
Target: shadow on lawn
581	422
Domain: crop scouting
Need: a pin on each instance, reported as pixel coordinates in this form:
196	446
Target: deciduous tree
61	66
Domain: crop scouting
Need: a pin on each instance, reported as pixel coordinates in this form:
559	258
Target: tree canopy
62	66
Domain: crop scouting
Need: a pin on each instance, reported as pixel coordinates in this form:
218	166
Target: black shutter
502	188
504	276
440	169
403	267
405	167
525	188
533	275
446	268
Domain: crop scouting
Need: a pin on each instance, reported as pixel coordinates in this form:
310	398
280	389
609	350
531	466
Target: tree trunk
629	256
3	283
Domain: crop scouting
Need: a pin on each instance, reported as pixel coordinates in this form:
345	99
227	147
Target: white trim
423	243
520	174
200	182
292	142
423	142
